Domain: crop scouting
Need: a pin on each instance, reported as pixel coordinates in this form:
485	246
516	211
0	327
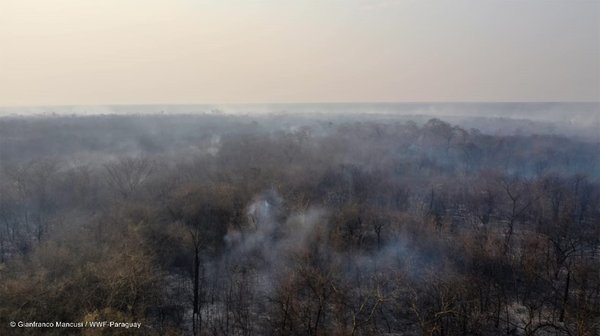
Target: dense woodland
296	225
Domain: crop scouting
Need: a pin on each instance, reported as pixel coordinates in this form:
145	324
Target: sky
98	52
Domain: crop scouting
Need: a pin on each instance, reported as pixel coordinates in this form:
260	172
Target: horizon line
304	103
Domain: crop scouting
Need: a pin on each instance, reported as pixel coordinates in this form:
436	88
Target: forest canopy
213	224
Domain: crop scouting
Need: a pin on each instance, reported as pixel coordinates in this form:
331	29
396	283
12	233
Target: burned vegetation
296	225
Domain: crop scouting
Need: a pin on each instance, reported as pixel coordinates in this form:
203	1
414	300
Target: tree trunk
565	297
196	281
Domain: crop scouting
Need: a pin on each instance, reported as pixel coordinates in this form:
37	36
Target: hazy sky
245	51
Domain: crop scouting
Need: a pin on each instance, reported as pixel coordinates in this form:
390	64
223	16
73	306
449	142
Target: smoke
272	236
